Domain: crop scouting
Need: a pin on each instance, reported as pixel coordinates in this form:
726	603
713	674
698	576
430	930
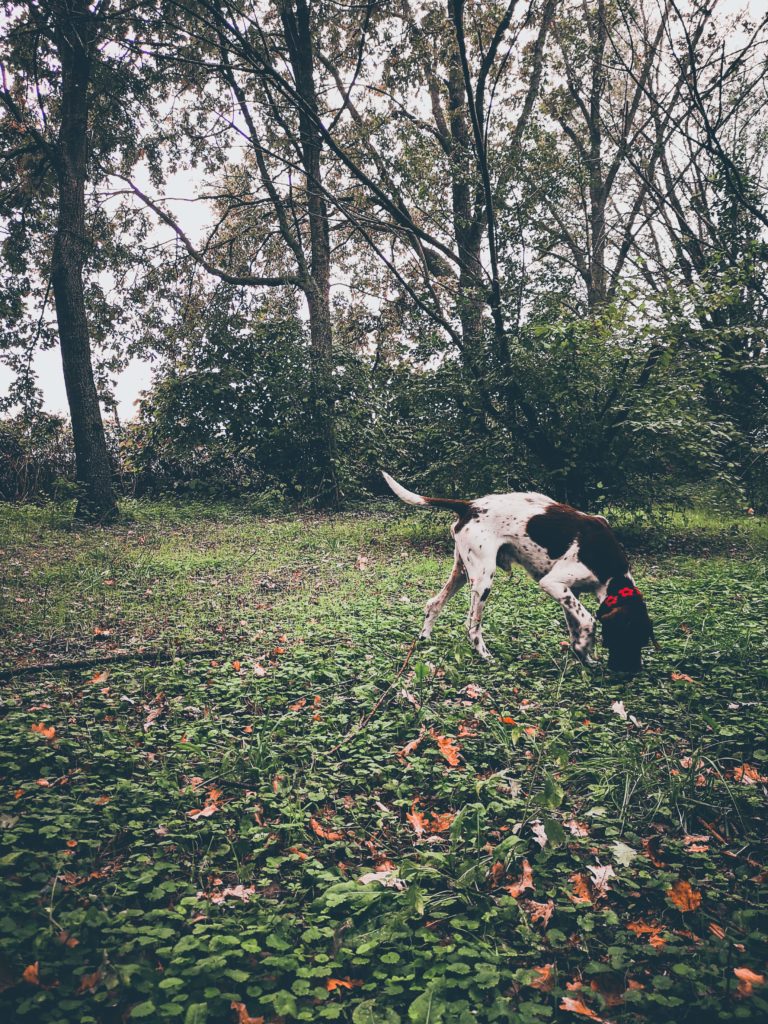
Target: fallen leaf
333	983
31	974
540	833
623	854
580	1007
745	773
524	882
539	911
417	820
236	666
243	1017
412	745
581	889
747	980
46	731
681	677
576	828
89	982
324	833
100	677
716	930
441	822
684	896
299	704
448	747
387	877
259	670
600	875
545	981
653	931
618	709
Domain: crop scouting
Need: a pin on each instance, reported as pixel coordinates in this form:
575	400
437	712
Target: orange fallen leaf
581	889
684	896
545	981
243	1017
334	983
100	677
716	930
448	747
745	773
101	800
43	782
524	882
417	820
442	822
747	980
298	705
412	745
89	982
653	931
236	666
681	677
46	731
248	728
324	833
580	1007
31	974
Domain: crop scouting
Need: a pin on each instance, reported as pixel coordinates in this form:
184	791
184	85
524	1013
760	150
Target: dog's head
626	626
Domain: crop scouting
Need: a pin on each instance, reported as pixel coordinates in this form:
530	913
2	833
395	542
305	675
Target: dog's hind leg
480	580
435	605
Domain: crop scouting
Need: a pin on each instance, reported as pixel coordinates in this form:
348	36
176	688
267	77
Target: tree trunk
74	40
296	25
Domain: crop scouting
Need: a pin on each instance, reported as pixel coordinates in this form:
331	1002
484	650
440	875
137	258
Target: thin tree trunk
73	42
296	25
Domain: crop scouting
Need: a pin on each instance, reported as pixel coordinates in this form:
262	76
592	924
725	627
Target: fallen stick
157	657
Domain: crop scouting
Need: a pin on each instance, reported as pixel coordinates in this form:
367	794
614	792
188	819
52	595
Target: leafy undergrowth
217	840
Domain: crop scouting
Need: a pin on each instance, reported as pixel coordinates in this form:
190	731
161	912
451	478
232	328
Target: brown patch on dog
559	526
465	510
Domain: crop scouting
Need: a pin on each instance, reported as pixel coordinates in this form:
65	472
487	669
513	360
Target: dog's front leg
581	625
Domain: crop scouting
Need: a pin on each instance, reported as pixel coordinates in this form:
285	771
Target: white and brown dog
567	552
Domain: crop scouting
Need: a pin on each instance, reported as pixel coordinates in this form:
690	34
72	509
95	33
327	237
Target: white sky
194	218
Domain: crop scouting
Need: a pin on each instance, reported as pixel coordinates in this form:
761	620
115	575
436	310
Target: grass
635	809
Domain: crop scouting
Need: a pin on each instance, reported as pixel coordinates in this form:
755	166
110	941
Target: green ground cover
203	839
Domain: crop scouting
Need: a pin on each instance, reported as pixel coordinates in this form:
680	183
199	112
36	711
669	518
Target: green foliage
120	896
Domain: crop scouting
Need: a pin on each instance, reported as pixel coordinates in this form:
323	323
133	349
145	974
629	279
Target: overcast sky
137	376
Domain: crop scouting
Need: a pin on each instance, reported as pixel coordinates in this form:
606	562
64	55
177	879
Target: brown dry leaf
259	670
298	705
581	890
153	715
580	1007
441	822
417	820
101	800
696	844
653	931
652	851
412	745
325	833
31	974
546	980
496	873
745	773
684	896
210	807
46	731
448	747
524	882
576	828
334	983
236	666
716	930
100	677
681	677
747	980
89	982
243	1017
539	911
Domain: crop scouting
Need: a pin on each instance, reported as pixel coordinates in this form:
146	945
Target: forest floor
210	839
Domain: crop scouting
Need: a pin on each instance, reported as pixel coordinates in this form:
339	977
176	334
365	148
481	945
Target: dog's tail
462	508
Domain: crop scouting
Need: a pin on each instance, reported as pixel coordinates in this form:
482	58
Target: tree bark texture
74	42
